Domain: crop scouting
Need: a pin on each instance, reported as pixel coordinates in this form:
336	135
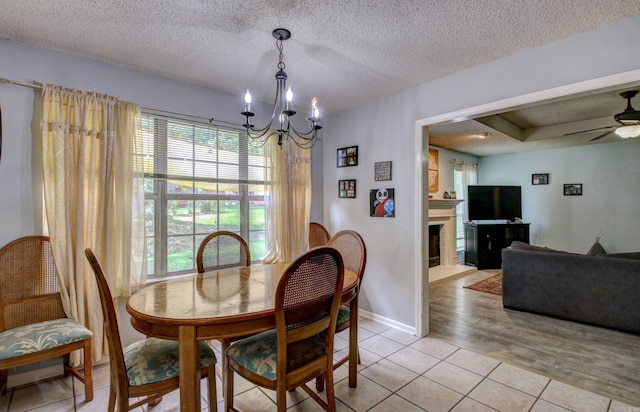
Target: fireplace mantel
444	202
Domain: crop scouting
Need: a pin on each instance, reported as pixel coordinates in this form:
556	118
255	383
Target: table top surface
228	295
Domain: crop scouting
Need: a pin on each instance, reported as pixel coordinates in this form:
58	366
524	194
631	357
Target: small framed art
382	203
382	171
540	179
347	188
573	189
433	170
347	156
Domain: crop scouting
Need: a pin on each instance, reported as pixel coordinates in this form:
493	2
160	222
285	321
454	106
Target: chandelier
282	111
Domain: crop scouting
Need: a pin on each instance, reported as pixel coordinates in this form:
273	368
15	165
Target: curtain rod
462	162
210	120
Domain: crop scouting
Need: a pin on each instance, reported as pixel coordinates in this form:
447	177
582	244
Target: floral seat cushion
155	360
343	315
257	353
40	336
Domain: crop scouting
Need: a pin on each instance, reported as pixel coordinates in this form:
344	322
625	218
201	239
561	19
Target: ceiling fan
629	121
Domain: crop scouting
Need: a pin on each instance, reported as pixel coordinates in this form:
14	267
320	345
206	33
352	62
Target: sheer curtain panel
469	175
289	204
93	198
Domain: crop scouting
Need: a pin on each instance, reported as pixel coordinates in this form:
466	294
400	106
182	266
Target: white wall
610	201
386	130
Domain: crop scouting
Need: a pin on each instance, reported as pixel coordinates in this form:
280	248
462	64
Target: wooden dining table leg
225	363
189	353
353	342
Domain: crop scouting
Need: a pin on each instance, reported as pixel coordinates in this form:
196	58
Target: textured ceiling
343	52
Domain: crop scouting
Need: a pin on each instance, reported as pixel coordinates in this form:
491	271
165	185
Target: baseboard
386	321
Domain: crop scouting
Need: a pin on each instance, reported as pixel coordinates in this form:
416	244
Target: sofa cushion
628	255
525	246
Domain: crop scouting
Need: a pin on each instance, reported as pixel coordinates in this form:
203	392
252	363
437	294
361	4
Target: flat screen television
494	202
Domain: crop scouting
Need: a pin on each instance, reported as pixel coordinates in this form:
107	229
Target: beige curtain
289	201
92	198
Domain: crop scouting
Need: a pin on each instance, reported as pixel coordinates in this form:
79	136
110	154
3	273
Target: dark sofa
599	290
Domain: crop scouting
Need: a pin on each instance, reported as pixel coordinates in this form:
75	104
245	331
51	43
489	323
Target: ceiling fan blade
590	130
601	136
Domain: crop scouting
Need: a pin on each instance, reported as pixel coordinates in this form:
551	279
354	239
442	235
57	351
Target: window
464	174
461	190
198	179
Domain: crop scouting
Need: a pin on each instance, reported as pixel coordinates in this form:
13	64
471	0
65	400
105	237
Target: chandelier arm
302	142
260	141
312	131
263	130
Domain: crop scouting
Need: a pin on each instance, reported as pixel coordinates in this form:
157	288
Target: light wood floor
597	359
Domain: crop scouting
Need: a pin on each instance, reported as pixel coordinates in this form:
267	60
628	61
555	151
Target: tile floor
399	372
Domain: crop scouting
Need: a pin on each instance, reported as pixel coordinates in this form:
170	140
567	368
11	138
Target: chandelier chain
281	65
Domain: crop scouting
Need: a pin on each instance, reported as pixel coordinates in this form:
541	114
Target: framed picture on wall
432	162
540	179
347	156
382	171
347	188
573	189
382	203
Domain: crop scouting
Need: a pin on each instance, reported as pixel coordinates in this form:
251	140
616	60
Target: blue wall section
610	201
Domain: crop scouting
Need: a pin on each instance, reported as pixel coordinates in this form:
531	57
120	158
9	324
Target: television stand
483	242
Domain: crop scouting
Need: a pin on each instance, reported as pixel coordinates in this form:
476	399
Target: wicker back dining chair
318	235
146	369
33	324
354	254
301	347
222	249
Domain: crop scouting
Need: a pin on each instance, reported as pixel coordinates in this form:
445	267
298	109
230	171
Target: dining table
227	303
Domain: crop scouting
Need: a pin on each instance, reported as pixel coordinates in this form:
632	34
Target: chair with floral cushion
148	368
318	235
33	324
222	249
301	347
354	254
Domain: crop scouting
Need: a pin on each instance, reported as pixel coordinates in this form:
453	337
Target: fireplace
434	245
442	229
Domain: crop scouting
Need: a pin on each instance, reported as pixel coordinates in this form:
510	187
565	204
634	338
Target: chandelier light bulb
247	101
289	96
